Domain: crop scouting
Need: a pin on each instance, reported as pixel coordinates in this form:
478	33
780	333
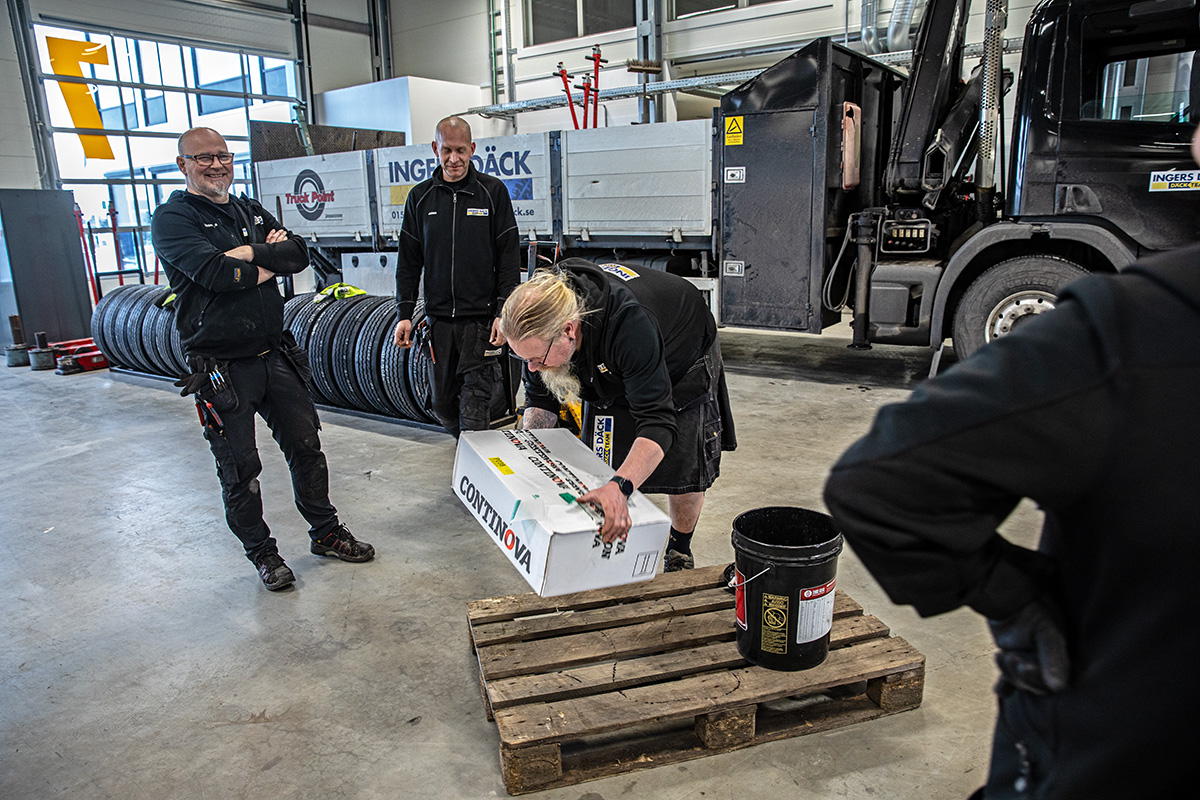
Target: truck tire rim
1015	309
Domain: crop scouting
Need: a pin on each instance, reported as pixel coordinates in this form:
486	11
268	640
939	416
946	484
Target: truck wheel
1007	295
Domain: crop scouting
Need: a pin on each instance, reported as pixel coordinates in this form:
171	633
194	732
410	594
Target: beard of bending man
562	382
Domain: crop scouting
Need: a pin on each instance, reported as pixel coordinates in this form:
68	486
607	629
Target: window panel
154	105
1150	89
551	21
213	66
156	152
104	64
120	109
280	77
124	59
689	8
171	62
600	16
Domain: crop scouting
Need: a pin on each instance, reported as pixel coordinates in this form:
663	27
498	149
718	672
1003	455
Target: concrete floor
142	658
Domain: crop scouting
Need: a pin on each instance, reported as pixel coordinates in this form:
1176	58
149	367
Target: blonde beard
562	382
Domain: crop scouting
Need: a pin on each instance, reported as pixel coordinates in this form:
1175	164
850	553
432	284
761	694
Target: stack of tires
355	365
134	331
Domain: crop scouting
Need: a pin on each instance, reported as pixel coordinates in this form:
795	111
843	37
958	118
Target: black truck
842	183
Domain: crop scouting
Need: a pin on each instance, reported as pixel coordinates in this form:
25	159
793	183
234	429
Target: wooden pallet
605	682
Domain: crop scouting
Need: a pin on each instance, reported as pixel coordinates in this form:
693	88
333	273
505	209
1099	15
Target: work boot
341	543
675	561
274	573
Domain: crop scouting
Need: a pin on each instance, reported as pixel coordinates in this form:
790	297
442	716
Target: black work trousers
271	386
466	373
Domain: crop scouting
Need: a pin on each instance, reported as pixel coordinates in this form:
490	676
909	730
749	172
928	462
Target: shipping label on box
521	487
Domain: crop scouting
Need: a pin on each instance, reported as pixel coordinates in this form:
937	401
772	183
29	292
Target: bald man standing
459	231
221	255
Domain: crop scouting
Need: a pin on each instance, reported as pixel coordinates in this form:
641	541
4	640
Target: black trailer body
784	189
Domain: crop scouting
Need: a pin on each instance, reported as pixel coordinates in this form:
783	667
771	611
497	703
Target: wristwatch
624	484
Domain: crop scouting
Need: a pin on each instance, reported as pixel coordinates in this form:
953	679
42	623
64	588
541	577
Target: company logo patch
477	212
624	273
602	438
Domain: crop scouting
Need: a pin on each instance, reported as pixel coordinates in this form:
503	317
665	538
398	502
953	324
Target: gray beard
562	382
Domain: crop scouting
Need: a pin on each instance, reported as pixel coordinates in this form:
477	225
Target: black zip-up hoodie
221	310
464	236
1089	411
645	329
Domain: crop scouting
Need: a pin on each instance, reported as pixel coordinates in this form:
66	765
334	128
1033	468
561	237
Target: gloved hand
199	379
1033	651
190	384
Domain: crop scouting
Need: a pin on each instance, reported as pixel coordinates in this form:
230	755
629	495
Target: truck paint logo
509	164
518	551
1182	180
309	195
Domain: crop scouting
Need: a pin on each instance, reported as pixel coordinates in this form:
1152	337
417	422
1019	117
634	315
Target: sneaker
341	543
274	573
676	561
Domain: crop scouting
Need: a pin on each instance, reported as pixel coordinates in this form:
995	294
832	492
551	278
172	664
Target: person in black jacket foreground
460	231
641	345
1091	412
221	255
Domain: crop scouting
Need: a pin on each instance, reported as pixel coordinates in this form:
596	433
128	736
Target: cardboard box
521	487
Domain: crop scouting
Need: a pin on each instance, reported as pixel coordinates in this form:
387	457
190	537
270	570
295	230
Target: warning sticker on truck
1182	180
733	130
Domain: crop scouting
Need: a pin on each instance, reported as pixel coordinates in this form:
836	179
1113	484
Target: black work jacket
221	310
1090	411
464	237
644	330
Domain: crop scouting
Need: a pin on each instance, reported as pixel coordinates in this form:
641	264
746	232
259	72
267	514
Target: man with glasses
221	255
459	230
640	345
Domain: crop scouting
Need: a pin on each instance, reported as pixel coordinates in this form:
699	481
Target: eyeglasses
542	361
206	159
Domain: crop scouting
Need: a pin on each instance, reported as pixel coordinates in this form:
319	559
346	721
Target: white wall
449	40
339	58
18	159
410	104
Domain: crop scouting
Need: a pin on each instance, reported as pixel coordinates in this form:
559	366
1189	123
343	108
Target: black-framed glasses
206	159
542	360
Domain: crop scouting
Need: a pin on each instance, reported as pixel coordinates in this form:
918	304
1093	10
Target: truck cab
902	221
1100	169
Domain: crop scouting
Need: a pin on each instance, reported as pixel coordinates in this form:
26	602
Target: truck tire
1007	295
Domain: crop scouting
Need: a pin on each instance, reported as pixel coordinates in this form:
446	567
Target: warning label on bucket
774	623
814	612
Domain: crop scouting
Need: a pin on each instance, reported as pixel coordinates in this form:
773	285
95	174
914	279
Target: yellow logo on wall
66	55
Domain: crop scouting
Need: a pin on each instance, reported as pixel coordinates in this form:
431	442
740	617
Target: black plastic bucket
785	562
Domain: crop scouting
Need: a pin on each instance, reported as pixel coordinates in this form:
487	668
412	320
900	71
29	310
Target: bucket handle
733	584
